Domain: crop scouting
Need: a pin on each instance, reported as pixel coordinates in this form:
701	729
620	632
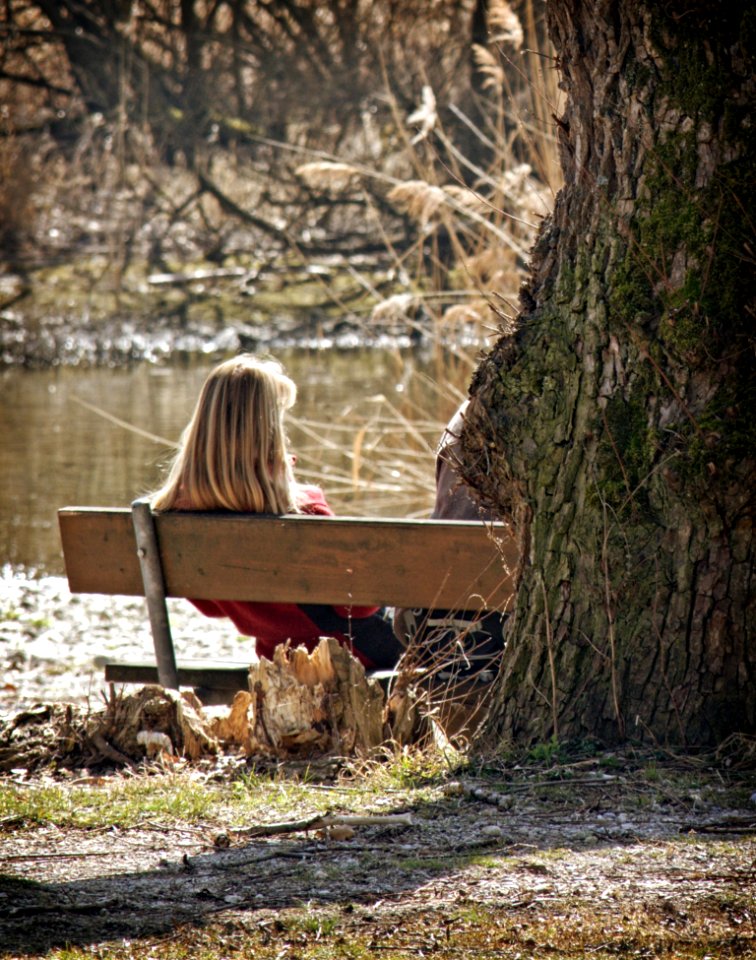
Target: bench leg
154	591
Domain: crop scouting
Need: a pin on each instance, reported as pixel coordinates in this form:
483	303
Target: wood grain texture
334	560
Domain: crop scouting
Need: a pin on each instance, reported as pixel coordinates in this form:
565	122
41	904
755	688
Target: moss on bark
619	423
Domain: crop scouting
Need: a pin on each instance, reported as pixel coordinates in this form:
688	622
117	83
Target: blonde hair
233	453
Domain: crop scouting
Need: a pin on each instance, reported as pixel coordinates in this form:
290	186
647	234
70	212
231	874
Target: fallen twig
498	798
108	751
728	825
322	821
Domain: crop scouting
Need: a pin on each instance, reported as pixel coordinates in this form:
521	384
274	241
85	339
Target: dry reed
475	220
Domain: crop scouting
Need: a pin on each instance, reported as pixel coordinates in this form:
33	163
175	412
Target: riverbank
62	315
76	340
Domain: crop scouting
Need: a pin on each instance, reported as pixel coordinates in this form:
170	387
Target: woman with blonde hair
233	455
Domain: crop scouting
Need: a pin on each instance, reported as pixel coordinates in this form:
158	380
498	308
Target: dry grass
339	81
570	932
474	226
474	220
376	456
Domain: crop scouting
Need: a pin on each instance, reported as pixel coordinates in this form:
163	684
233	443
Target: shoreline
53	644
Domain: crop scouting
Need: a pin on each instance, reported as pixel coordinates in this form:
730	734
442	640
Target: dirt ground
602	857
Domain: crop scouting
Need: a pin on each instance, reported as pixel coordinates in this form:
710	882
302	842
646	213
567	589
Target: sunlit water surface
364	427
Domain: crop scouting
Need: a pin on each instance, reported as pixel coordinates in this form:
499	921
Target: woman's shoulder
311	499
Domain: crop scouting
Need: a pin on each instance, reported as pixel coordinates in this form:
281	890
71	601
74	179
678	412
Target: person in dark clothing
447	641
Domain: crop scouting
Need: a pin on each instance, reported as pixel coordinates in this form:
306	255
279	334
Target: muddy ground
53	645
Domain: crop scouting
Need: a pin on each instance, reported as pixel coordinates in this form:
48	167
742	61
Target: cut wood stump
300	706
152	721
307	704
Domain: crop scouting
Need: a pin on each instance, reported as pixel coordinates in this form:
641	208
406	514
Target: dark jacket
470	641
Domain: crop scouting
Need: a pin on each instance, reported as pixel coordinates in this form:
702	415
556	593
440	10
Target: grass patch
192	797
431	890
118	804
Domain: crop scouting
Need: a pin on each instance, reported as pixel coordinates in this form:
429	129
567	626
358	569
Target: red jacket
274	623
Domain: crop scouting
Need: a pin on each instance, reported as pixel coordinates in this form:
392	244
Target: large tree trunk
618	425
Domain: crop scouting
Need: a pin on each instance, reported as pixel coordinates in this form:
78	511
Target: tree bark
617	425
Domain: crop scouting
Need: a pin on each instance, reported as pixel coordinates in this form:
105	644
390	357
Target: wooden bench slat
214	681
217	674
99	551
293	559
339	560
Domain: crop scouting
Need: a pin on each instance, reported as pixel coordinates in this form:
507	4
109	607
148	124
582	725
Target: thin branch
321	822
124	423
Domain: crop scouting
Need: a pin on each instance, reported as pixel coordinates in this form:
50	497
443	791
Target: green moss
685	294
695	84
703	231
549	752
566	285
633	448
631	296
698	75
636	74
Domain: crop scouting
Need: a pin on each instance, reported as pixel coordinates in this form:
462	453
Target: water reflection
365	424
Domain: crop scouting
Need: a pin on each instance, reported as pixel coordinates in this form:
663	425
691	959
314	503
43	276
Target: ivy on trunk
618	424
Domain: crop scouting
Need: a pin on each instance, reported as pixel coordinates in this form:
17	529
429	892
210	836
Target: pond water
364	426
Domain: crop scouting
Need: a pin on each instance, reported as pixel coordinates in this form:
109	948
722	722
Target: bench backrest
299	559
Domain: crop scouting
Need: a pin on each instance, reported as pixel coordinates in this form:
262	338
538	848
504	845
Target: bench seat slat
340	560
214	681
217	674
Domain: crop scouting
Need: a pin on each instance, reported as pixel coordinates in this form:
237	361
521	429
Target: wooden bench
287	559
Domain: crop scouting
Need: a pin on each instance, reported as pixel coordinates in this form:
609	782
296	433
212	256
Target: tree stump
155	720
301	703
